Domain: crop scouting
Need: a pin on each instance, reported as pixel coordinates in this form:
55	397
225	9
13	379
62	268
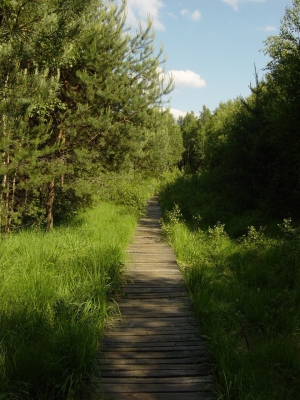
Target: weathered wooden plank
151	250
168	280
152	370
154	272
170	362
136	286
154	373
155	354
165	331
158	338
155	323
150	307
157	302
149	296
157	313
164	396
157	247
175	351
145	261
159	381
159	373
110	386
143	345
152	290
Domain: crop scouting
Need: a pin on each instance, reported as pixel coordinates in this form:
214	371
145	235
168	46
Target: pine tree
77	99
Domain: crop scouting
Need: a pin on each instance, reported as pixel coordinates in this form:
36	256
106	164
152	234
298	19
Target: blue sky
211	45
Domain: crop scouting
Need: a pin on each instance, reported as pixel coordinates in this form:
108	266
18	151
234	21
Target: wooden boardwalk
154	350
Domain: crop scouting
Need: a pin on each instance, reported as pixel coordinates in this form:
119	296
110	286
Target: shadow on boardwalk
154	350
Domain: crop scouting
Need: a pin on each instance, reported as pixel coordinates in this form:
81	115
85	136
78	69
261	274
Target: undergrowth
246	293
130	191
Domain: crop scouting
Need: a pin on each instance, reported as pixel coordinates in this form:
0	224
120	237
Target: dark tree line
248	150
79	96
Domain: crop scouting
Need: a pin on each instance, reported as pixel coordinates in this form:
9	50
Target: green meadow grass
246	293
54	297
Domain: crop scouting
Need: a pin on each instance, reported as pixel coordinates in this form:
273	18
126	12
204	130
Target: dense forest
85	140
81	97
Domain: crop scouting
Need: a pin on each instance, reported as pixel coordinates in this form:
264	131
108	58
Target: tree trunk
2	213
7	223
11	206
49	209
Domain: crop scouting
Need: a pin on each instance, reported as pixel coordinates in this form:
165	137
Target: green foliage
130	191
79	96
163	146
54	299
193	134
246	295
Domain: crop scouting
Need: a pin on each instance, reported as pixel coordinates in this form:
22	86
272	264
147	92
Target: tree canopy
80	95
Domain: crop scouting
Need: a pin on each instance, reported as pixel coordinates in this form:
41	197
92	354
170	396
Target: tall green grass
246	293
54	292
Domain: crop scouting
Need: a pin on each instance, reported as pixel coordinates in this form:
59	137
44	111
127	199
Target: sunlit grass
246	294
54	292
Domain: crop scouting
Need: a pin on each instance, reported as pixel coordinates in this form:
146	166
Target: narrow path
154	351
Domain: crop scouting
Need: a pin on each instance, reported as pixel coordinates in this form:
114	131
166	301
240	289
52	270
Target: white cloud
177	113
195	16
172	15
235	3
142	9
187	78
182	78
270	28
185	13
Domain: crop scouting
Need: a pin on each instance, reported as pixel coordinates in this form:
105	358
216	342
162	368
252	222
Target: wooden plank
149	296
157	302
146	291
170	273
174	288
157	313
184	361
142	278
165	331
180	380
141	247
163	396
153	345
150	307
154	373
109	386
169	338
175	351
156	370
152	250
154	354
155	323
